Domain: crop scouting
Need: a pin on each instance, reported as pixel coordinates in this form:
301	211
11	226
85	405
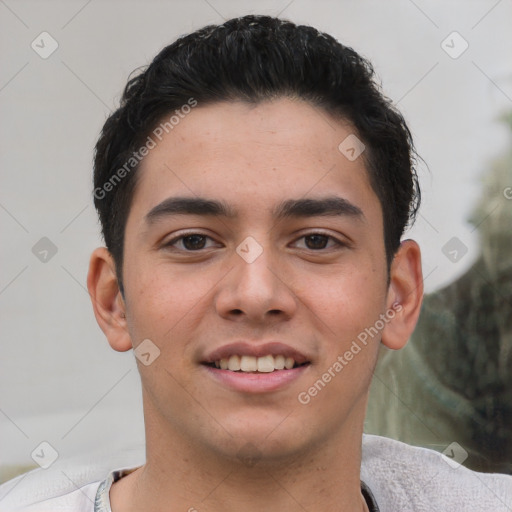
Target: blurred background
64	64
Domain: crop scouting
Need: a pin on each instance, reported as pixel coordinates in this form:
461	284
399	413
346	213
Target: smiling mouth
252	364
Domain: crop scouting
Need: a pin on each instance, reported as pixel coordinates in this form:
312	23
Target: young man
253	189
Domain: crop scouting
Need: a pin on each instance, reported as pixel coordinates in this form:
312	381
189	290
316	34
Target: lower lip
256	382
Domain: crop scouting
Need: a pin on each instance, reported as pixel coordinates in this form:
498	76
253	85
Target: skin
317	300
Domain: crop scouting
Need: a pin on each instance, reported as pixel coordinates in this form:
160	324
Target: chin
274	437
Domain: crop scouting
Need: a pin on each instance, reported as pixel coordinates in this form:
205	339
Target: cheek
346	302
345	310
167	310
162	304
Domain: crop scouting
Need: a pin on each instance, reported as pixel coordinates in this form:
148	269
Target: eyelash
337	243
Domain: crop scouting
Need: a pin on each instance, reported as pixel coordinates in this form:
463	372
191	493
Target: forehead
253	157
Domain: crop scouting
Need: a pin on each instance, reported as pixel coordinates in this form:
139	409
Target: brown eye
319	242
316	241
194	242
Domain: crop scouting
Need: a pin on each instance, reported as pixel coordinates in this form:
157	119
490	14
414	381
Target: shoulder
404	477
68	485
33	491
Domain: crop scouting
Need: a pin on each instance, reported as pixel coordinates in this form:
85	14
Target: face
253	241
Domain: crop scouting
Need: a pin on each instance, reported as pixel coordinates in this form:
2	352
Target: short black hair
253	59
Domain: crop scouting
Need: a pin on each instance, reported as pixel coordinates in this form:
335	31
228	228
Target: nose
256	291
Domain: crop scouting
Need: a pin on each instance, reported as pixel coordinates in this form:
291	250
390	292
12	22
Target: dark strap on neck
369	497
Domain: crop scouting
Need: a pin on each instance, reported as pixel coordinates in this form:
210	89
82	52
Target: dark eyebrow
189	206
328	206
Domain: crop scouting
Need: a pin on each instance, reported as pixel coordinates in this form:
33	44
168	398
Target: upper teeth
265	364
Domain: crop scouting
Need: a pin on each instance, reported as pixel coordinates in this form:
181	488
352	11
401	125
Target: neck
181	475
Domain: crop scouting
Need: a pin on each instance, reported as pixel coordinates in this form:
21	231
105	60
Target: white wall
59	380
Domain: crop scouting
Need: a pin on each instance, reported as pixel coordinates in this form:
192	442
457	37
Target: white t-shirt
400	477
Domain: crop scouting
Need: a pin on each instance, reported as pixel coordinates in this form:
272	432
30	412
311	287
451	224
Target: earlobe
405	295
107	301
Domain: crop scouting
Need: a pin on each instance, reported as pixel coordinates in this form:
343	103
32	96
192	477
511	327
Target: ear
405	295
107	301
